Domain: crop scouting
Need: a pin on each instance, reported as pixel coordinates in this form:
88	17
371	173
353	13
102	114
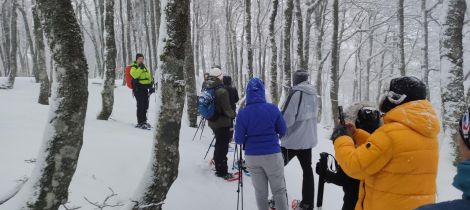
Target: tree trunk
30	42
190	88
401	37
123	43
370	37
129	29
272	36
107	94
287	50
425	61
163	170
452	88
47	189
44	90
154	35
300	35
6	10
248	38
334	62
13	46
147	35
319	33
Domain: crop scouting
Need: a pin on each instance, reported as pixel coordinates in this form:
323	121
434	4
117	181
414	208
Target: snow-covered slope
115	155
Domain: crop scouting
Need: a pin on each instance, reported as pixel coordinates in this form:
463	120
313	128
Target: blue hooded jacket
259	125
461	182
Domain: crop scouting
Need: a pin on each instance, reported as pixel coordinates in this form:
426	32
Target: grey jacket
301	120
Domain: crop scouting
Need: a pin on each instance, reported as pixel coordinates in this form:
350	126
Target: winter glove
151	90
142	66
340	130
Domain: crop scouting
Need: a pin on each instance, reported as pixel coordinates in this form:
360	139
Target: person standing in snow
233	95
142	89
259	126
223	122
366	117
462	178
300	114
397	165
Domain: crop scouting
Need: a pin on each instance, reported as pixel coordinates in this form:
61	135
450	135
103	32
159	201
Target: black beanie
409	86
300	76
139	55
227	80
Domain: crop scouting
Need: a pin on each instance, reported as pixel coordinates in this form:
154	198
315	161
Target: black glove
142	66
151	90
340	130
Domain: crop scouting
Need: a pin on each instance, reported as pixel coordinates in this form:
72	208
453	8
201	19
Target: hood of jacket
420	116
255	92
305	87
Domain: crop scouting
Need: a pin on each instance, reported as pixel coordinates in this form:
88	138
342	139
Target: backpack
206	104
129	78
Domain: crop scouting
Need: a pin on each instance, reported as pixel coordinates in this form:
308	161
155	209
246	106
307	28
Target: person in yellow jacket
397	164
142	87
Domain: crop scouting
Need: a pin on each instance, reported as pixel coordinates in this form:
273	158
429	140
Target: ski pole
199	126
210	145
202	130
240	179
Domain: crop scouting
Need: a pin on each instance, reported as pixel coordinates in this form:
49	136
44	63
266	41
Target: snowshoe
229	177
272	204
244	168
299	205
143	126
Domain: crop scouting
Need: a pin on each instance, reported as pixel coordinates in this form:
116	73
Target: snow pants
268	169
222	139
142	97
305	158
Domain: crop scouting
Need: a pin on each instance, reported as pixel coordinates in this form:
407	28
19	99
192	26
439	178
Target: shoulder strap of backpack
298	106
286	104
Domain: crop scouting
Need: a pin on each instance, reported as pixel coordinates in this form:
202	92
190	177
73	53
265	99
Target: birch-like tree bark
401	37
287	48
248	38
334	62
13	45
272	38
107	94
47	189
44	90
451	49
163	170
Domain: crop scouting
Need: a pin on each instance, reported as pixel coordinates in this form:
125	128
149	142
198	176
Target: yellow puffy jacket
144	76
397	164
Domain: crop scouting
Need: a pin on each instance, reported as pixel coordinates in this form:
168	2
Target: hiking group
386	155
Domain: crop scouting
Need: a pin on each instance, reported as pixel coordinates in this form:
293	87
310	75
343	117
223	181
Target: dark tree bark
153	35
319	33
287	49
300	35
44	90
272	36
13	46
6	10
107	94
452	88
334	62
129	29
401	37
64	132
123	43
164	170
248	38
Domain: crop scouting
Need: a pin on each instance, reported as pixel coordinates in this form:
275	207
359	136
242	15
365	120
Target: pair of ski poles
201	126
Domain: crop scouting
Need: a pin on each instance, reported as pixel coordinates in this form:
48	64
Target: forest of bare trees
350	48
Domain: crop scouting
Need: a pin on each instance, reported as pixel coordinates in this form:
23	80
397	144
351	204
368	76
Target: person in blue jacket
259	126
462	179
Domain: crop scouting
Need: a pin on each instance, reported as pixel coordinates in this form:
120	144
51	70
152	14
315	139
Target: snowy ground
115	155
